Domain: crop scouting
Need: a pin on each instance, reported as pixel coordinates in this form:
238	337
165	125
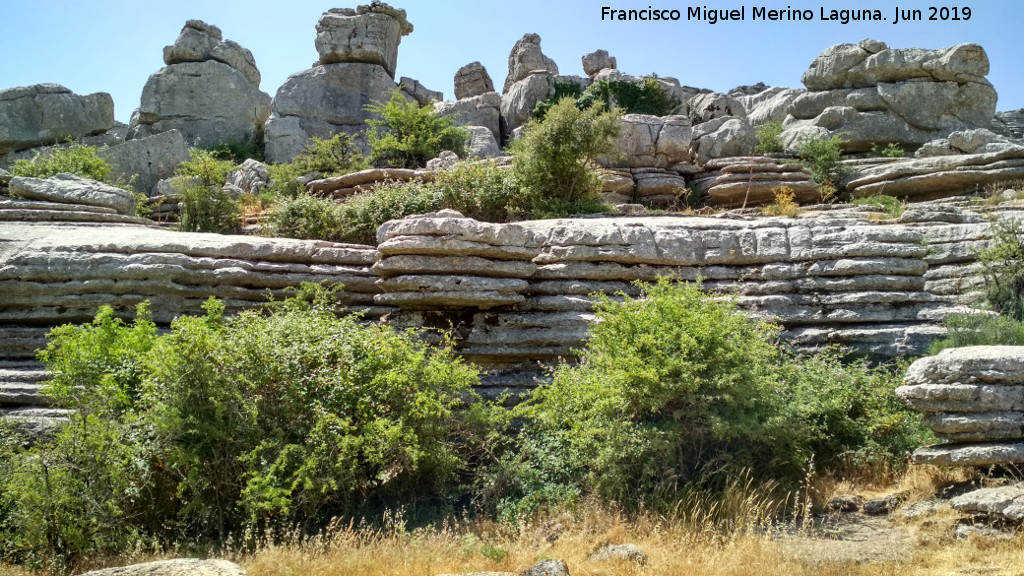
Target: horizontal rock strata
754	181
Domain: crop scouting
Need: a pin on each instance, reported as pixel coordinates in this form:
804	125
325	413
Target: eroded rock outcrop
358	51
874	95
472	80
42	114
209	91
597	61
973	398
531	77
754	180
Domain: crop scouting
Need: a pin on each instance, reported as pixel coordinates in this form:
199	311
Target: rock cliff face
39	115
873	95
209	91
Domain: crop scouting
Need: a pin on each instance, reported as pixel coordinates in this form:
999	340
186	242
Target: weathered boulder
251	176
721	138
418	92
547	568
324	101
1002	502
653	141
520	98
152	158
597	61
527	59
472	80
630	552
482	110
179	567
752	181
370	34
873	95
976	141
46	113
199	42
72	189
710	106
481	143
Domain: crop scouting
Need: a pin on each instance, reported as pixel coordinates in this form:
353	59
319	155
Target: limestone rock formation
752	181
324	101
874	95
976	141
482	143
472	80
464	249
482	110
358	53
370	34
712	105
972	397
722	137
418	92
209	90
526	59
42	114
178	567
597	61
940	176
530	79
769	105
653	141
152	158
72	189
1009	123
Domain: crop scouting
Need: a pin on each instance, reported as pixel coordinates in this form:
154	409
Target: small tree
555	159
407	135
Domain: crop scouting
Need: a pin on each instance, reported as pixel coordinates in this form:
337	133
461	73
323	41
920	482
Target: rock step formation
973	398
753	181
366	180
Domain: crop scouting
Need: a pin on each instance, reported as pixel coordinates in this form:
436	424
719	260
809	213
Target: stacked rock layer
974	399
754	180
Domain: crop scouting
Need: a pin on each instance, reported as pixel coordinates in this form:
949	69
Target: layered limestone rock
709	106
753	181
365	180
418	92
72	189
597	61
481	110
936	176
358	53
722	137
369	34
1009	123
973	398
209	91
443	260
42	114
148	160
874	95
768	105
654	142
531	77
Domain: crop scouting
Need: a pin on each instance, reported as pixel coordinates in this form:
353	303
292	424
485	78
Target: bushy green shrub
307	216
822	156
332	156
272	420
555	160
407	135
768	137
1003	268
481	190
677	389
647	96
237	152
77	159
891	150
364	213
205	206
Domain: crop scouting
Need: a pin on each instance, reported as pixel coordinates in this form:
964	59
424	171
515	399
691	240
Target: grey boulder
46	113
72	189
368	35
472	80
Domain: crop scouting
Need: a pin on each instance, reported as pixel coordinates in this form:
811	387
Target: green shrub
237	152
481	190
555	160
364	213
894	207
273	420
980	330
676	391
333	156
205	206
407	135
307	216
891	150
768	137
1003	268
822	156
644	97
77	159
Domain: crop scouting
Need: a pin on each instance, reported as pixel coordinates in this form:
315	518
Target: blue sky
114	45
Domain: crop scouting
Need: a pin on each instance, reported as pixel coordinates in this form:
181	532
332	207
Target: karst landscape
601	324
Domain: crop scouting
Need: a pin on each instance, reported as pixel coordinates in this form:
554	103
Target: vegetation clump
647	96
407	135
205	205
768	137
785	203
892	207
78	159
822	156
